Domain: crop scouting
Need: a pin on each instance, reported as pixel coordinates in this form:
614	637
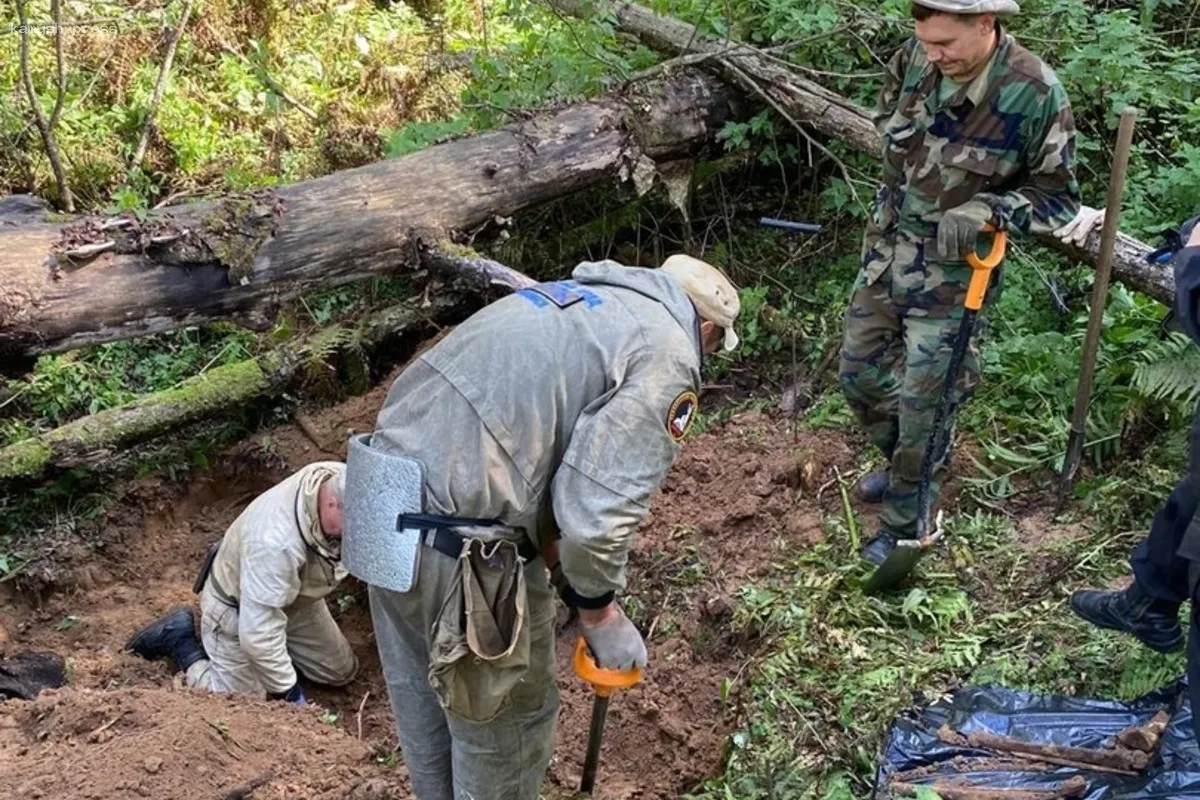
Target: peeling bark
71	282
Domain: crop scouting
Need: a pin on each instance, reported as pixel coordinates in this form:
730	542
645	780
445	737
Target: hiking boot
172	636
871	487
878	549
1154	622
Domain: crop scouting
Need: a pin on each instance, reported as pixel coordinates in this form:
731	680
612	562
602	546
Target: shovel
1091	343
604	682
908	552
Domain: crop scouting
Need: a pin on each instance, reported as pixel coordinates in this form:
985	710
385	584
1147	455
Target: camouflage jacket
1006	138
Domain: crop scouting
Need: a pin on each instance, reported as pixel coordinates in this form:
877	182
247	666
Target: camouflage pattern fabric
1005	139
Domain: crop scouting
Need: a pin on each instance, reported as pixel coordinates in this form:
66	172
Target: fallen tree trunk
94	439
832	115
71	282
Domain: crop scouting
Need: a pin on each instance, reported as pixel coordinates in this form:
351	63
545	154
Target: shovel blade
896	566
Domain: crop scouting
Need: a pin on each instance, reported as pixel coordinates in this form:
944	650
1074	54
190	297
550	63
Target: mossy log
75	281
832	115
91	440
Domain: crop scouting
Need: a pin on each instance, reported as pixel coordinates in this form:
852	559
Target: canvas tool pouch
480	638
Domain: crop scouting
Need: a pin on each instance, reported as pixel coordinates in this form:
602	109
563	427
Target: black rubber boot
1154	622
871	487
878	549
172	636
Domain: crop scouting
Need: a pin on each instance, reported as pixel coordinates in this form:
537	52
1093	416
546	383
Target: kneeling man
263	614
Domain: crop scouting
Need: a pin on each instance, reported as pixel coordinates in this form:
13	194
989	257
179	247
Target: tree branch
160	87
66	201
60	63
753	85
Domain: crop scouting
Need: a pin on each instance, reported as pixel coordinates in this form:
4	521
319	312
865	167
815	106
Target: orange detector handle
605	681
981	268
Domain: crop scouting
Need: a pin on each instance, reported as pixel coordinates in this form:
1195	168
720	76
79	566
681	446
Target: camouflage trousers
899	333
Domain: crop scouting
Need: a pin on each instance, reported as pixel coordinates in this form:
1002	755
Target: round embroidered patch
682	415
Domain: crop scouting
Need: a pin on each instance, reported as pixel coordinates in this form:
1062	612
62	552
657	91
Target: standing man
1166	564
976	131
263	612
545	421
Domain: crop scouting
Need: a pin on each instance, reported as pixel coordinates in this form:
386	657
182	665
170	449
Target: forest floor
742	500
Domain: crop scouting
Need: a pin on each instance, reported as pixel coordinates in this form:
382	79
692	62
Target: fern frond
1170	370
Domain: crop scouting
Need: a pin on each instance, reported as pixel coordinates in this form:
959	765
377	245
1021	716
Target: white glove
1077	230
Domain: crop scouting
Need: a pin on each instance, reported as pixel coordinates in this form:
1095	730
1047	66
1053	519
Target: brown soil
737	501
1037	530
155	742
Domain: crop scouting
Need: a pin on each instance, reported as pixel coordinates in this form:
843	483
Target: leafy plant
1169	370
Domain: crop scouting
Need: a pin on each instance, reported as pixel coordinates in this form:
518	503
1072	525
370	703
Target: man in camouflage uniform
976	131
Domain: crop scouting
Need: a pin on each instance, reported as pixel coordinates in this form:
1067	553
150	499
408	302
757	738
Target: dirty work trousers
899	333
1165	574
315	644
450	758
1166	564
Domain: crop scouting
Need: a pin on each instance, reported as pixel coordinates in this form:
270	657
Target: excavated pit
737	498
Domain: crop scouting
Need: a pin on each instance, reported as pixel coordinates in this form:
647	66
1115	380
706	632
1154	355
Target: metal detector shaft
788	225
940	430
1087	370
906	553
595	733
604	682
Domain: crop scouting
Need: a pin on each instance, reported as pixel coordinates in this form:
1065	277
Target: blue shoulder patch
561	293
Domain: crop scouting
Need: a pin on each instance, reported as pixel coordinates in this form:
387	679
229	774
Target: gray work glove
615	644
959	229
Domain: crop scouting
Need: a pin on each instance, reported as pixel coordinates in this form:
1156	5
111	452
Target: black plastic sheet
25	674
1174	771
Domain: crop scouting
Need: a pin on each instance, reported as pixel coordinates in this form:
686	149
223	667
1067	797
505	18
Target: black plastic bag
913	744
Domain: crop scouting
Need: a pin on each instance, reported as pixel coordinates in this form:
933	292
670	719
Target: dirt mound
161	743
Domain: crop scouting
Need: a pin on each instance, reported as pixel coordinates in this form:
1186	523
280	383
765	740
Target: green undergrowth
837	666
64	387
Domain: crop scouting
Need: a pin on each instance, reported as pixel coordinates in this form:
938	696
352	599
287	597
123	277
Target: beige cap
972	6
712	293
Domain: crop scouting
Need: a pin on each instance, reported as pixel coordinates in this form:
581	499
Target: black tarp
1174	772
25	674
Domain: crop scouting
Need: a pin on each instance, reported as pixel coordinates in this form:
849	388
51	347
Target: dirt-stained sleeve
270	582
621	449
1050	196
